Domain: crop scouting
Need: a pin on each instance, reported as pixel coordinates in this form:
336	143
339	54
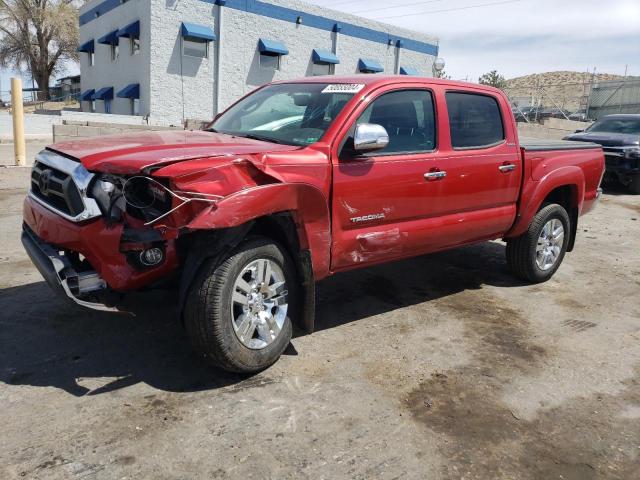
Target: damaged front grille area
60	184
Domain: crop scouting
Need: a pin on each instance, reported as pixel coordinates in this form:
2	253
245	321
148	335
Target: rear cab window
475	120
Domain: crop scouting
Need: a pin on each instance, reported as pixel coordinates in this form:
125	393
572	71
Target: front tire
237	310
535	255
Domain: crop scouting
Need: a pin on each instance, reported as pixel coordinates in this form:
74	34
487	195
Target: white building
173	60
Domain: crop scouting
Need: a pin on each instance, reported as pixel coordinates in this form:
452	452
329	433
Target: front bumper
60	274
102	245
620	168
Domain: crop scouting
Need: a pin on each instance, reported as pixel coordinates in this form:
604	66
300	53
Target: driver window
409	119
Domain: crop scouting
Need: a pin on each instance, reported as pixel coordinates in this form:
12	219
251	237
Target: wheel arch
567	197
306	204
565	186
295	216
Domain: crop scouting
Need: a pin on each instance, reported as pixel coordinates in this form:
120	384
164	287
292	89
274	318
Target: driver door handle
509	167
435	175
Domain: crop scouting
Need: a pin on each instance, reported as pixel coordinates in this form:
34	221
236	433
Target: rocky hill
558	78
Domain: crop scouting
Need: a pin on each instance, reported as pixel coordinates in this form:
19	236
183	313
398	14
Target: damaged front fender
307	204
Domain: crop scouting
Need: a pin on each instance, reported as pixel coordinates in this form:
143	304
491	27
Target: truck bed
537	144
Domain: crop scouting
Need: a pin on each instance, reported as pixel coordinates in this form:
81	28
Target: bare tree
38	35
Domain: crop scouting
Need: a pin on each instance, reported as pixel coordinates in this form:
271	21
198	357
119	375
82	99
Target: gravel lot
438	367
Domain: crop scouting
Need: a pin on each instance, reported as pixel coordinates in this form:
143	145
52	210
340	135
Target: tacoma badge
367	218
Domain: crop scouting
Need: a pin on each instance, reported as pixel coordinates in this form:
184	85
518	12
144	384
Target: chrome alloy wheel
549	244
259	303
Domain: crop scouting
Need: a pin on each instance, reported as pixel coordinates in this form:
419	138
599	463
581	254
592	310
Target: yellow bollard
18	122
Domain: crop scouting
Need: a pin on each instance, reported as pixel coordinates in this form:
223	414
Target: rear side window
474	120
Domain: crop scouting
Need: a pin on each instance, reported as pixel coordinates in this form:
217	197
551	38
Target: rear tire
234	318
535	255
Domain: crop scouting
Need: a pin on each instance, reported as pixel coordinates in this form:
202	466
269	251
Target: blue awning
110	38
130	91
87	96
408	71
197	33
88	47
368	65
132	30
324	56
105	93
272	47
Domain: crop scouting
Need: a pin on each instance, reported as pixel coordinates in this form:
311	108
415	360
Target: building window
92	106
322	69
107	106
269	62
92	59
135	106
135	45
115	51
195	49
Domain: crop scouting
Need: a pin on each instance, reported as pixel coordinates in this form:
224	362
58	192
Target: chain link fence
583	101
613	97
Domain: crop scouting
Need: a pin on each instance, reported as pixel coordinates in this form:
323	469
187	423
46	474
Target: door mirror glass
369	137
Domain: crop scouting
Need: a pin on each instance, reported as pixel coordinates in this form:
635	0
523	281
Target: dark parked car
579	116
552	112
524	114
619	136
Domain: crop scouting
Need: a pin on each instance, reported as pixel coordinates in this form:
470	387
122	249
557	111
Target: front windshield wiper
253	136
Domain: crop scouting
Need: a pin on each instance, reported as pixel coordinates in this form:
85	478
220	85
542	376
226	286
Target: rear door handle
435	175
507	168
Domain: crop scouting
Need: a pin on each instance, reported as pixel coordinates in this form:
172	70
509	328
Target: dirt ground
438	367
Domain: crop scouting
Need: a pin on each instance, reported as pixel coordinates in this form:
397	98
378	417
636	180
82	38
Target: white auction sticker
343	88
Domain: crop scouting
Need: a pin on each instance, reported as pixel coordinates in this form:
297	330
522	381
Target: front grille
56	188
60	184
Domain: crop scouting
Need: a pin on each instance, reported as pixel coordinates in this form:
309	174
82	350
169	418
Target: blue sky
515	37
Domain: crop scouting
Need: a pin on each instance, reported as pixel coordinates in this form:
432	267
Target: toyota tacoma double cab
294	182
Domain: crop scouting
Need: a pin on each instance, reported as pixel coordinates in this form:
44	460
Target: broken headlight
147	198
107	191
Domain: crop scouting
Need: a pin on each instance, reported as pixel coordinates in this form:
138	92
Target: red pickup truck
296	181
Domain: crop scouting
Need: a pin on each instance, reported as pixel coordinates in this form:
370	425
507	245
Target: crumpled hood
606	139
131	153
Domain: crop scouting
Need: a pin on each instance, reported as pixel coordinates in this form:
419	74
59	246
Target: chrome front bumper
61	275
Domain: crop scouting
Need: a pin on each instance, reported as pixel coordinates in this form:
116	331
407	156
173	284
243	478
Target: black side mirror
579	131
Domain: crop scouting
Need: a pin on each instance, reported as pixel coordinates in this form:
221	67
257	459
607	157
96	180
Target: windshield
617	125
291	113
